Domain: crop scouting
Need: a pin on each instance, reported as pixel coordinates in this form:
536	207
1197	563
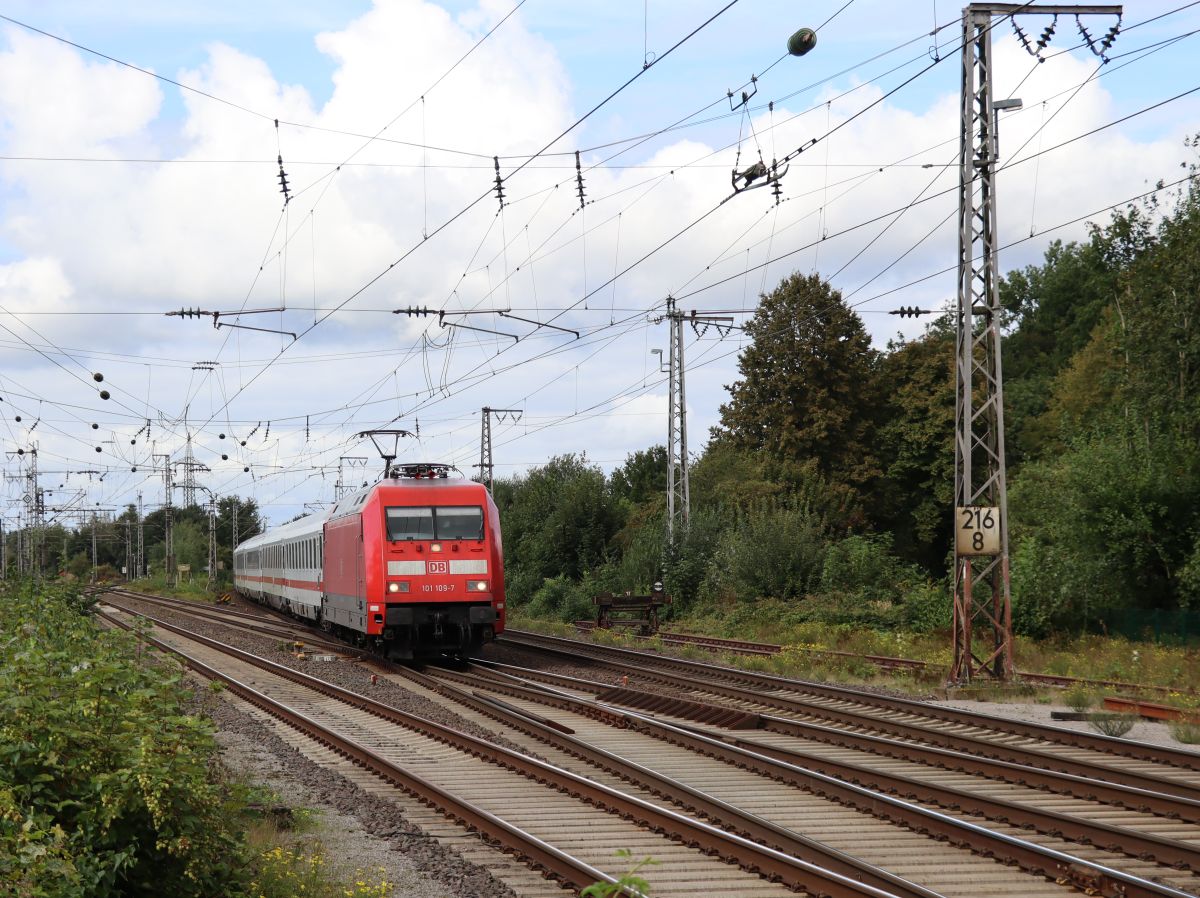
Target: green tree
807	389
558	521
1106	525
643	476
916	442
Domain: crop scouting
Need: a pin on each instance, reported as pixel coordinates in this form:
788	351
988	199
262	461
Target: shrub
105	783
1113	723
1186	731
1079	698
927	607
689	559
863	565
769	553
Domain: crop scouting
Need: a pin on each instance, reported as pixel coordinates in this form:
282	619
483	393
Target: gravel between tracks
1029	712
420	866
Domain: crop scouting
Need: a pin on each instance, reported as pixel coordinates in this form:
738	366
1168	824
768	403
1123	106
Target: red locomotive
411	566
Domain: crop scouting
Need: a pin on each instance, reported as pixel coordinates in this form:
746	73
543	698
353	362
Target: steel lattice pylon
486	466
679	493
678	487
981	582
212	540
982	596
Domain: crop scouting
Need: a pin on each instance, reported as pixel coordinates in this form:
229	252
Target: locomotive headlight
398	586
477	586
435	547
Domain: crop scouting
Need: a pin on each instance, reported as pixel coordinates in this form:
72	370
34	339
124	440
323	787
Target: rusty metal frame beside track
767	862
850	785
1095	742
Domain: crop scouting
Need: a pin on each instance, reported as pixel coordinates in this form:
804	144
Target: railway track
732	769
1086	754
668	757
883	662
265	623
517	800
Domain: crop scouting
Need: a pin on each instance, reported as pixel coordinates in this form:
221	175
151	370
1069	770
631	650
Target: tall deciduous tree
808	387
916	441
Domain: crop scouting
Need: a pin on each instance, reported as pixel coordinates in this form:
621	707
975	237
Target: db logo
439	567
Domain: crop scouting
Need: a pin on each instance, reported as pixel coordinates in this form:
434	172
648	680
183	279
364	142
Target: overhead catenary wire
457	215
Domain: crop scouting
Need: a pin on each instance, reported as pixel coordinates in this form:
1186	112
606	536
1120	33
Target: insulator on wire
1047	33
910	312
1099	48
283	183
499	182
579	179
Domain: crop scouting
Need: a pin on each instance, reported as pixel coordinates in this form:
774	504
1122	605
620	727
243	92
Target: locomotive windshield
445	522
459	522
410	523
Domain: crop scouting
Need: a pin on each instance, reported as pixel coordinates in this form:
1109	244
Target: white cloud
194	233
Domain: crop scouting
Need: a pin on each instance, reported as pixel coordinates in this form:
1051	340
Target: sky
125	196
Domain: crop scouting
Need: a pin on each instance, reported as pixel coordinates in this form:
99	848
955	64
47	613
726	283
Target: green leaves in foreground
628	883
105	785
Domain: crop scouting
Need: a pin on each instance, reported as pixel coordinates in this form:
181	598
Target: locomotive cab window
453	522
445	522
409	523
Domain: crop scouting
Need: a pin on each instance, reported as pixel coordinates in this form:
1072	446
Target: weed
1079	698
1112	723
629	882
284	872
1186	731
284	865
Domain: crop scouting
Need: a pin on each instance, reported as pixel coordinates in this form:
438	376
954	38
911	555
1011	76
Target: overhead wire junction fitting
442	314
218	323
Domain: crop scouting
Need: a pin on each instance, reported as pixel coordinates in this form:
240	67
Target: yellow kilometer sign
977	530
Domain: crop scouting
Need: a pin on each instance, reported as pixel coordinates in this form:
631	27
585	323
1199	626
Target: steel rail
942	738
546	857
719	812
270	627
1088	788
272	614
1168	852
240	620
774	865
1095	742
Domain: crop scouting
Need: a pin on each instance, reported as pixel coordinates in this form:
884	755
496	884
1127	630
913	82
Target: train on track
411	567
